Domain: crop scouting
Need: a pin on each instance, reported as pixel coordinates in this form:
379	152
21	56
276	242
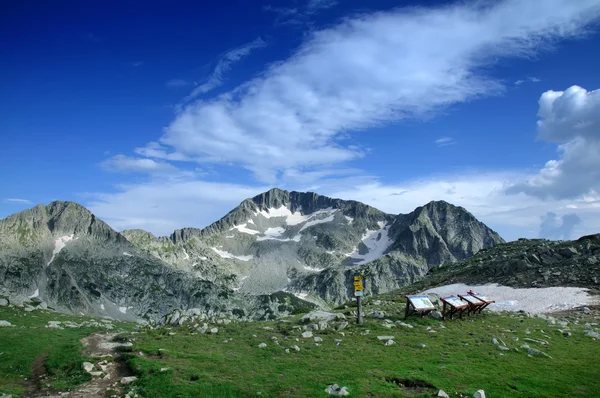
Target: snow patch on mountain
313	269
35	294
376	241
317	221
127	254
349	219
293	218
59	244
187	256
244	229
225	254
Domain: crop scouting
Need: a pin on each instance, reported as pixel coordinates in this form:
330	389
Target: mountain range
255	262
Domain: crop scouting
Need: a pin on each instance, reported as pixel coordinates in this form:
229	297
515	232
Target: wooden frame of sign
418	304
475	305
452	305
483	298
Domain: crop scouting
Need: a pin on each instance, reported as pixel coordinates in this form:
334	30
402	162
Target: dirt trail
104	352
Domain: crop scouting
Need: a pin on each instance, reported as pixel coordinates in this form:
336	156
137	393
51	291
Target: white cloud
157	151
482	194
570	118
18	201
313	6
125	164
224	65
529	79
444	141
300	14
554	227
163	206
366	71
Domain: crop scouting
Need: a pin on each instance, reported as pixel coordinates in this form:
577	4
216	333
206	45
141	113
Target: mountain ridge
303	243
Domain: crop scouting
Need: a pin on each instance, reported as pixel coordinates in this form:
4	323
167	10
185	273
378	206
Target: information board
471	299
421	302
454	301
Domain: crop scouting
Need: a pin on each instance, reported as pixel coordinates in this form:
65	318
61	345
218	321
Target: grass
59	351
459	359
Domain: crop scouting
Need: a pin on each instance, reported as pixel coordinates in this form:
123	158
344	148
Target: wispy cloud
137	64
224	65
299	14
125	164
529	79
366	71
444	141
18	201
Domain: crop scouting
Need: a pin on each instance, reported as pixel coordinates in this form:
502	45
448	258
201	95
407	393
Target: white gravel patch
531	300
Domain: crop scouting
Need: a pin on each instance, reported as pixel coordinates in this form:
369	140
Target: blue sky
166	116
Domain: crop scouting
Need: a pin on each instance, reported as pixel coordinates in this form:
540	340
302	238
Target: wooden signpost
359	289
453	305
420	304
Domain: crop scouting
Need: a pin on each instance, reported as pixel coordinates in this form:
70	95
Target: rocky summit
255	262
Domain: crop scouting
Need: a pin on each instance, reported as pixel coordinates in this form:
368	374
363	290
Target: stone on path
88	366
127	380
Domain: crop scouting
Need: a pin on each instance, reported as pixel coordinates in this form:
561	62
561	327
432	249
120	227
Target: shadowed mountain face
303	243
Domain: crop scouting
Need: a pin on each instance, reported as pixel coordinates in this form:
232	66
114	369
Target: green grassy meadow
458	357
59	351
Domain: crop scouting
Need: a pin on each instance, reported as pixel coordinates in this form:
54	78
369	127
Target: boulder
479	394
262	345
435	315
535	352
318	315
342	326
308	334
442	394
334	389
4	324
129	379
3	302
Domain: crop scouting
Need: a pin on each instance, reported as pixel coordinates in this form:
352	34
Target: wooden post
359	313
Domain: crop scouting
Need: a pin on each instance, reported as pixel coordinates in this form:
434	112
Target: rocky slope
302	243
64	257
311	245
528	263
